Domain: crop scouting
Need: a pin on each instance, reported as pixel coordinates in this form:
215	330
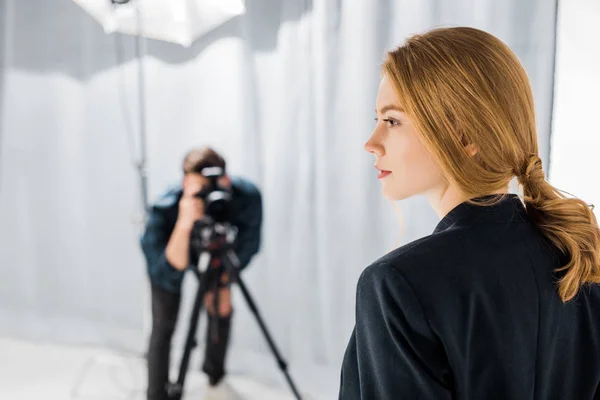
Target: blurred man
166	246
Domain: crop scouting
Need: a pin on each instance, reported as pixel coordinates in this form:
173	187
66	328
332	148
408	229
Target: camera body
217	198
214	232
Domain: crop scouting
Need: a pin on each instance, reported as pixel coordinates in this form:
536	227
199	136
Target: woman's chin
394	195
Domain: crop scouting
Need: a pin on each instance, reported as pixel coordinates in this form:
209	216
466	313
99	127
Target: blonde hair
465	89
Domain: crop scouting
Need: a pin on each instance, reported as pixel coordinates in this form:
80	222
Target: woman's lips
383	173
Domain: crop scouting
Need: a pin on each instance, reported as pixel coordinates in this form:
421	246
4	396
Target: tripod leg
232	262
176	390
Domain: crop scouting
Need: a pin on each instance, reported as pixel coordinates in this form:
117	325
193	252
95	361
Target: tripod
212	241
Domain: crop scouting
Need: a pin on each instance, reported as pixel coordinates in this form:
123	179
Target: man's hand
191	209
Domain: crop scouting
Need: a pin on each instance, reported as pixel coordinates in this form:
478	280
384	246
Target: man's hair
198	159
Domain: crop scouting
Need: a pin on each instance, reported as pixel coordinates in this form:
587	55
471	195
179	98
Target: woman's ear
472	150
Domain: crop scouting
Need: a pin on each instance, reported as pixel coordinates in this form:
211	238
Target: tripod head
212	236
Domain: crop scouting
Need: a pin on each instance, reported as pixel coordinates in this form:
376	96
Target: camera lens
218	205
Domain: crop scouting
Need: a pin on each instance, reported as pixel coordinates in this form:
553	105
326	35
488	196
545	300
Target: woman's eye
391	122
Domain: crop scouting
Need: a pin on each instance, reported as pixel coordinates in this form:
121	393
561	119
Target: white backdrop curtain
285	92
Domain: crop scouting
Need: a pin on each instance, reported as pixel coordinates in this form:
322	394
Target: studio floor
35	371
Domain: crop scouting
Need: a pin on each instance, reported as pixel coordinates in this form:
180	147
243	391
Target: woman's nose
373	146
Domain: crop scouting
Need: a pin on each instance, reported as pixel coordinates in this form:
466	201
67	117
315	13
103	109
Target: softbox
176	21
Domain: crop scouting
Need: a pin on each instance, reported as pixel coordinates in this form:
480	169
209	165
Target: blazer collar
508	209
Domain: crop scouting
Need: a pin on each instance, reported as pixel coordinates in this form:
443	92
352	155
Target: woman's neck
445	199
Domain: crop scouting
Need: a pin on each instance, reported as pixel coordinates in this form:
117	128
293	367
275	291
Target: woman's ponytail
568	223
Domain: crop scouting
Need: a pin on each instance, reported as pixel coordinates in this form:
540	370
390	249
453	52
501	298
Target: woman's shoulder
460	261
424	256
431	250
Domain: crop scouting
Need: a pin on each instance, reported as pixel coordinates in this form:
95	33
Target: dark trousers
165	308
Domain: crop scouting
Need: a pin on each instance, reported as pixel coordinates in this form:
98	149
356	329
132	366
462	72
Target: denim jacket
247	216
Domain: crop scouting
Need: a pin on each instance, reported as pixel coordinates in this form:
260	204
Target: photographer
166	246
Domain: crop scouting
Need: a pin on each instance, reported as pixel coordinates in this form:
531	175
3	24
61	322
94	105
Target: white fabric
286	93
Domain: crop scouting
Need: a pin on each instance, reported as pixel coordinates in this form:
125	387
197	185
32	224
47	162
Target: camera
216	198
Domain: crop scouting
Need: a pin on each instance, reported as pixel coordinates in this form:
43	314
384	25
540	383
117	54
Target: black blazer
472	312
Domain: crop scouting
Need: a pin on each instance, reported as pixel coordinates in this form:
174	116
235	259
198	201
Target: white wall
575	144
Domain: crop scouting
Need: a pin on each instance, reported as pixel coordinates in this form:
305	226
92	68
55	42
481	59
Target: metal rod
141	111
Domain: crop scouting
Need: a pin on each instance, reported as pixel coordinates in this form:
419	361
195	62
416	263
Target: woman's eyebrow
389	107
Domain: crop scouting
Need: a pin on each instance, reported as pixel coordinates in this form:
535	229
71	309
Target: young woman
500	302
